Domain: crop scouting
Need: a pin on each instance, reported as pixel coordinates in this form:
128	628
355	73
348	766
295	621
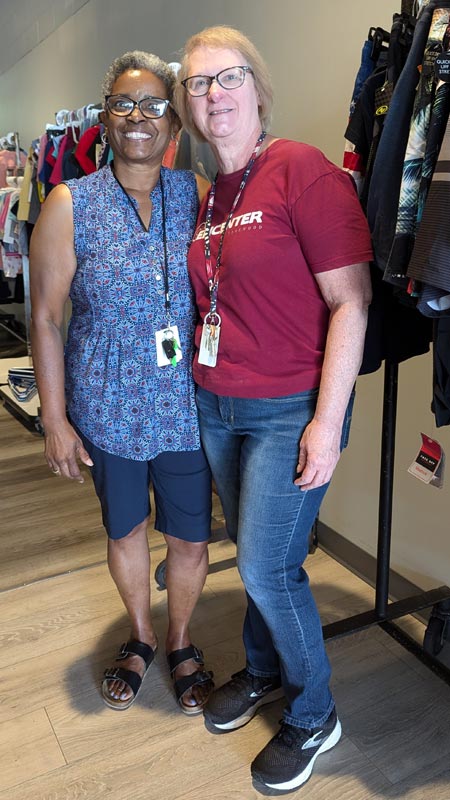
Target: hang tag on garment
428	466
383	97
209	345
168	347
442	67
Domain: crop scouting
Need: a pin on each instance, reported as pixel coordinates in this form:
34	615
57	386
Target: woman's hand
319	452
63	450
347	294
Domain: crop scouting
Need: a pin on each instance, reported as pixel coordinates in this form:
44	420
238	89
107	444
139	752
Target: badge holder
168	347
209	342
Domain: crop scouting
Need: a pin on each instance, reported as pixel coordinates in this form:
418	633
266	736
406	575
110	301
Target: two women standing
279	273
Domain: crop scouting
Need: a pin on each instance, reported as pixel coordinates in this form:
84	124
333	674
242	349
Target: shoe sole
239	722
330	742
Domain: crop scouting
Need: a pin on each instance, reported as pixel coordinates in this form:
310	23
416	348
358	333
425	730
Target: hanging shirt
430	260
116	394
385	184
427	104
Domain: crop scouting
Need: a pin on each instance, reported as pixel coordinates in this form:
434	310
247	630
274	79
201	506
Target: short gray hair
138	59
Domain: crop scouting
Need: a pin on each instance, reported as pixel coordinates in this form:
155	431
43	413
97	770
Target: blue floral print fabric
116	394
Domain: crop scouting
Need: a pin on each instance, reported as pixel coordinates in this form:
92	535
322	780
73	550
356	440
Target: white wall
313	50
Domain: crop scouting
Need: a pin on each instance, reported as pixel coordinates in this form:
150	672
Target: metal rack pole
386	487
385	612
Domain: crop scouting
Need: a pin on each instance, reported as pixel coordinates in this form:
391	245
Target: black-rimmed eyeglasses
230	78
122	106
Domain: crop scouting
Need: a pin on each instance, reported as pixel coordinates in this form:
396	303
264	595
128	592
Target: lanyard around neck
213	273
165	265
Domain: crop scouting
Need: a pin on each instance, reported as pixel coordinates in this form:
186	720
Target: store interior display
71	146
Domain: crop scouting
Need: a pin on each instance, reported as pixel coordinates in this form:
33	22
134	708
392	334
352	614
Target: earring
104	136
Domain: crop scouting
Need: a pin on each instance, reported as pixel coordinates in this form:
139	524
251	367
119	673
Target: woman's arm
347	293
52	267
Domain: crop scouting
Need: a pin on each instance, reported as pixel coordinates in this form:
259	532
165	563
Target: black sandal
128	676
187	682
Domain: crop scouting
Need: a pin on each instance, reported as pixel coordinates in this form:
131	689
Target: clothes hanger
8	142
74	123
379	37
61	118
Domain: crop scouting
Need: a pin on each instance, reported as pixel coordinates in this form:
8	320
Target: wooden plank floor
58	741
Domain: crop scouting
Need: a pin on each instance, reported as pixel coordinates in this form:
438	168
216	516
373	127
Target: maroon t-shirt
298	215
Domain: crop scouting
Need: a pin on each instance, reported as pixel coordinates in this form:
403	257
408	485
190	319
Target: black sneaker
288	759
236	702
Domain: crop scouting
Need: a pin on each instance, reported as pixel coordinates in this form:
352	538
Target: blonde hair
222	37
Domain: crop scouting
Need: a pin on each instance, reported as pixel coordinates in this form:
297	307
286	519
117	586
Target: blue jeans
252	448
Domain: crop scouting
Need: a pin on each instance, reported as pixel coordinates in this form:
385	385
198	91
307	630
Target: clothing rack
27	411
77	121
11	141
385	612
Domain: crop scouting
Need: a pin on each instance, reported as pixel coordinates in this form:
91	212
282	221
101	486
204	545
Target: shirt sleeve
330	225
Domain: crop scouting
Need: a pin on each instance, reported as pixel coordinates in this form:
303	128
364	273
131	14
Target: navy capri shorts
181	487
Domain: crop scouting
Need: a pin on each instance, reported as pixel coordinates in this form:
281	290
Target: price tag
428	466
442	67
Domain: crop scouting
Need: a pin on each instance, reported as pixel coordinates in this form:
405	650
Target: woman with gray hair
120	399
278	267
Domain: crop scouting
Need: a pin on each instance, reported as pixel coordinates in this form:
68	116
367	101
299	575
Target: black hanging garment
366	125
427	127
384	190
395	331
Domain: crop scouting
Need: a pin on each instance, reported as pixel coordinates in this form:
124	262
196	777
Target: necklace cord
165	266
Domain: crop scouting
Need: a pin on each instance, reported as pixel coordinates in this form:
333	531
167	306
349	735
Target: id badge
168	347
209	345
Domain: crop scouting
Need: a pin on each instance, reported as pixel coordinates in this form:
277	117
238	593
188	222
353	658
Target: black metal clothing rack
384	612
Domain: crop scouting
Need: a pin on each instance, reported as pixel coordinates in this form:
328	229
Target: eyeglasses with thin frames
229	78
150	107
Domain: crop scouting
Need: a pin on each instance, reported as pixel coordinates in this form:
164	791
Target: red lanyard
214	272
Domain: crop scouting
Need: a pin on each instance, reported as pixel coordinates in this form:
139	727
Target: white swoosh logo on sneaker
260	692
313	741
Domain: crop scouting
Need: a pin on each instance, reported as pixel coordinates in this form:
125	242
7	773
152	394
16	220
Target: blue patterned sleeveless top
116	394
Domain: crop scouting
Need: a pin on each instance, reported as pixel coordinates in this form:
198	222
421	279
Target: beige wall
313	50
420	540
